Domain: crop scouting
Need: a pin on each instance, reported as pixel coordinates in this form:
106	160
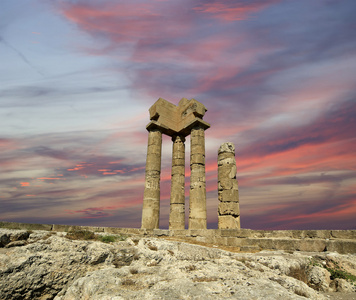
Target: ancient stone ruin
179	122
228	192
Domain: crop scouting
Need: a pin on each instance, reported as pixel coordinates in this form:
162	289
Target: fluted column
197	201
151	196
177	207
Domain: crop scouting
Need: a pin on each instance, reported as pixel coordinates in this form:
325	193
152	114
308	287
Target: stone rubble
47	265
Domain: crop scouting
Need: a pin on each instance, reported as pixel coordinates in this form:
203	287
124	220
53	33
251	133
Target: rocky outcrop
47	265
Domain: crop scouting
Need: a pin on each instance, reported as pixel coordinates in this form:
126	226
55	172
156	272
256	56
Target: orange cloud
120	171
75	169
80	166
116	161
136	169
25	183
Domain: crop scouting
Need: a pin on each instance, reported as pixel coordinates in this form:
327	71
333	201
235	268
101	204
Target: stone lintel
177	120
164	113
184	132
187	107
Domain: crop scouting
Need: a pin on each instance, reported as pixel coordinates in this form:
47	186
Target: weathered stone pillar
197	201
151	196
177	207
228	194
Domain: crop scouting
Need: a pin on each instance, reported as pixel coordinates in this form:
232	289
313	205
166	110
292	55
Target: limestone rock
7	236
319	278
50	266
343	286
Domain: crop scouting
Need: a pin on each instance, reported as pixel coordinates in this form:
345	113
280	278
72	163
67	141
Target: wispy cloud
22	56
277	78
233	10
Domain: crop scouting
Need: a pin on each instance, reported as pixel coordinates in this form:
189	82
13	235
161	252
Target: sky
278	78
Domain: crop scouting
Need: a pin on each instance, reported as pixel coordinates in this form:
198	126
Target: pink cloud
341	213
121	171
233	10
164	33
302	160
77	168
123	22
116	161
137	169
8	144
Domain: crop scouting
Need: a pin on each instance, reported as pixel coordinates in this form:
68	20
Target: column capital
175	136
197	122
154	125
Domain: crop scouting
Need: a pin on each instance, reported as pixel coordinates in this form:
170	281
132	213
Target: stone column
197	201
151	196
228	194
177	207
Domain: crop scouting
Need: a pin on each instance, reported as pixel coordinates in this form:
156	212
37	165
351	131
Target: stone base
229	222
197	224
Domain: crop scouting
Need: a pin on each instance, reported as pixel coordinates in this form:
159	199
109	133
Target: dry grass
133	271
299	273
135	241
190	268
81	235
128	282
90	235
204	279
152	247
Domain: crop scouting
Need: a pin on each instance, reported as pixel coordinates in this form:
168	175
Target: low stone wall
341	241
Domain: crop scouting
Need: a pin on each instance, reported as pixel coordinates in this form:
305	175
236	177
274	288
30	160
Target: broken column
228	194
197	201
151	196
177	207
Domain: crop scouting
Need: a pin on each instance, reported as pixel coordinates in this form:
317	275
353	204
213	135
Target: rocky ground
49	265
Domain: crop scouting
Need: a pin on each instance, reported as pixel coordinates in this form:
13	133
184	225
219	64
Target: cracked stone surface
50	266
